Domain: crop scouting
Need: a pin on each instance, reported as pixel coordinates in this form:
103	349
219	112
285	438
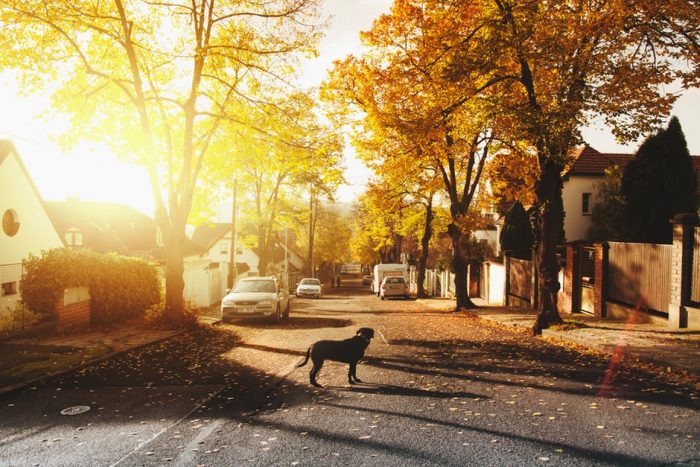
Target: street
439	388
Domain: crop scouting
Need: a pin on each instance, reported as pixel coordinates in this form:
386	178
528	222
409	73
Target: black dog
345	351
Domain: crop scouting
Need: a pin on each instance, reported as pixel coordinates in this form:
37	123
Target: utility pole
232	257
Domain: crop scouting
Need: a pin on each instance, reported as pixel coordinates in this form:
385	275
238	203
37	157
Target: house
121	229
106	228
26	226
215	240
580	190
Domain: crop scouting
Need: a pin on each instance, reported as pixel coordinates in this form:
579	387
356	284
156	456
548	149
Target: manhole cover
75	410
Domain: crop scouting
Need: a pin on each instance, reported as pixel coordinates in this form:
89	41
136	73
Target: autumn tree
156	81
565	63
286	151
659	182
403	82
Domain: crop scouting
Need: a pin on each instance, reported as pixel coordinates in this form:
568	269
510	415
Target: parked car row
266	297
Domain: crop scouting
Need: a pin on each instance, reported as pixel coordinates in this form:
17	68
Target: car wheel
277	317
286	312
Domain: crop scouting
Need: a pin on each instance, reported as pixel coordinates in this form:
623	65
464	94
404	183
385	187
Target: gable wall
36	232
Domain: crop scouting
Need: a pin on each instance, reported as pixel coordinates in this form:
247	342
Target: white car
256	297
393	287
309	287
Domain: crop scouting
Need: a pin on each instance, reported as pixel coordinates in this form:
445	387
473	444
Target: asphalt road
438	389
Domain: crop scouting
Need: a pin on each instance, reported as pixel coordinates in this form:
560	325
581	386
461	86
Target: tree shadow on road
393	390
295	322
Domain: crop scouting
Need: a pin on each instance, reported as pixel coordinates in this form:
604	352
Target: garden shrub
120	287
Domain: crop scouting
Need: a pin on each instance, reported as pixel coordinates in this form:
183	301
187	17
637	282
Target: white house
26	227
580	189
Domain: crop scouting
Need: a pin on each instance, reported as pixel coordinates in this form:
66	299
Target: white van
387	270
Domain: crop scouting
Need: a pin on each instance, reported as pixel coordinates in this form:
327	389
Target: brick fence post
73	309
600	279
681	263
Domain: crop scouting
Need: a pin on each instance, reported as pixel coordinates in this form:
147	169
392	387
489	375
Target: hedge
120	287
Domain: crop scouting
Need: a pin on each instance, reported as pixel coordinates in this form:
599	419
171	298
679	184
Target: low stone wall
73	310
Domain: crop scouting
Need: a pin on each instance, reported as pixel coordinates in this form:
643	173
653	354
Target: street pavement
440	388
24	362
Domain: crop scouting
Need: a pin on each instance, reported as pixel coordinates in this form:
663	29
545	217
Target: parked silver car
393	287
309	287
262	297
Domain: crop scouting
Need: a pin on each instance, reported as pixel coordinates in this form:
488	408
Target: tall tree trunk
174	281
548	223
313	207
425	243
459	267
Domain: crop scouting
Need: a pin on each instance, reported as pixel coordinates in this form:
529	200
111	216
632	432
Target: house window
10	223
74	237
159	237
586	204
9	288
223	248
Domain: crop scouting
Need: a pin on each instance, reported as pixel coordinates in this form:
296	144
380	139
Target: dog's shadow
392	390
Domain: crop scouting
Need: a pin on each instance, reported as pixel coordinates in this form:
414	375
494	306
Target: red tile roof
590	162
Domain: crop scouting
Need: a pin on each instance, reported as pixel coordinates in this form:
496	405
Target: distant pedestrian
337	280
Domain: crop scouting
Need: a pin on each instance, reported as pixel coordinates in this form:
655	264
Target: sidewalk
670	350
25	362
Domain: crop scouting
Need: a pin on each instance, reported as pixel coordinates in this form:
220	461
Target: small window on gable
223	248
74	237
586	204
9	288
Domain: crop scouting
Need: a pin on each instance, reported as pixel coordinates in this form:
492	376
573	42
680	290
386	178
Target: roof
207	235
106	227
590	162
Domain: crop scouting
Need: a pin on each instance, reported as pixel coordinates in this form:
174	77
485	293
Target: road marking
177	422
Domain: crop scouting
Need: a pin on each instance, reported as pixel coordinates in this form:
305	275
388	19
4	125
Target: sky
93	173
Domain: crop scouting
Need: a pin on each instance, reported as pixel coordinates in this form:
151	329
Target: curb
41	379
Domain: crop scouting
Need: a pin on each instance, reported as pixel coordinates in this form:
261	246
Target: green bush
120	287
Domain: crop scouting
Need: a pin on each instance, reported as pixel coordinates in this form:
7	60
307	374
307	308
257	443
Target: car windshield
395	280
310	282
266	286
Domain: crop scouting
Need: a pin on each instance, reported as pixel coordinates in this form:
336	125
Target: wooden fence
639	274
695	270
520	278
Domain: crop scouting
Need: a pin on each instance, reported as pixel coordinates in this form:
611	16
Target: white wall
575	223
497	281
36	232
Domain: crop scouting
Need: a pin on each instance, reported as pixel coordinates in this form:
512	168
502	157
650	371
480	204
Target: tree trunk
425	242
174	281
313	206
548	223
459	267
